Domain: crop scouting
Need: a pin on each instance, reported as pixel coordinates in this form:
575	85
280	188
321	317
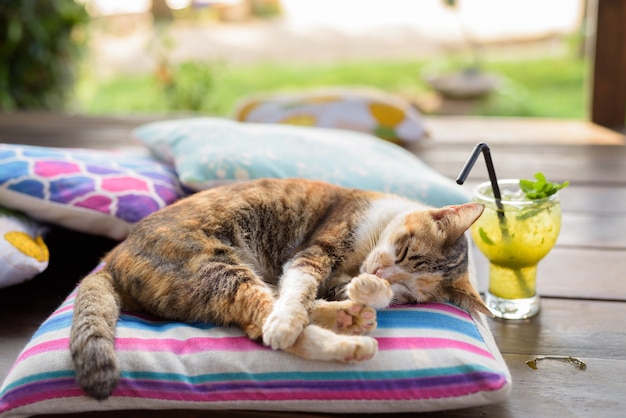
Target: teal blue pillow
207	152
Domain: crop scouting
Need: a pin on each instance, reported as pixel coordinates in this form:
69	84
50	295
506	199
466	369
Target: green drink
514	239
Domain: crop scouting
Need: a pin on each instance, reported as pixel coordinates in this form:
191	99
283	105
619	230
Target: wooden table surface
582	282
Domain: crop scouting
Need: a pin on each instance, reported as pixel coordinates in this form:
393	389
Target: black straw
484	148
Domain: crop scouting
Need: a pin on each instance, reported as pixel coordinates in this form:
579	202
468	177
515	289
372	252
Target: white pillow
23	252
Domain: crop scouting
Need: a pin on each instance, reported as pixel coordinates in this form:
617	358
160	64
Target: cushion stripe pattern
431	356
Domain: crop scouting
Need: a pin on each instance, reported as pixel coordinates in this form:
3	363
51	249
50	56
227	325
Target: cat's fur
300	265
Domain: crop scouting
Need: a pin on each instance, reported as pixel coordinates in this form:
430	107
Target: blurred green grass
540	87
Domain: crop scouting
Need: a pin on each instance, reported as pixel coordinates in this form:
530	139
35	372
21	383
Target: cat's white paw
350	349
355	319
370	290
283	327
317	343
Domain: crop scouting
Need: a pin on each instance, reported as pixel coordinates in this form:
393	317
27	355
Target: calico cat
300	265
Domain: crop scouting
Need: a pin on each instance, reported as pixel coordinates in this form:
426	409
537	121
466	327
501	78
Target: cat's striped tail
92	336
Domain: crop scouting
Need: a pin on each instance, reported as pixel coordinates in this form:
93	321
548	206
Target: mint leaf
484	237
541	187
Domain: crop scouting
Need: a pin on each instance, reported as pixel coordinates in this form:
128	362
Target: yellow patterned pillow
361	109
23	253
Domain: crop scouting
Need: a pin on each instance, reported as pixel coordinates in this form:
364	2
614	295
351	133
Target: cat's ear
464	294
455	220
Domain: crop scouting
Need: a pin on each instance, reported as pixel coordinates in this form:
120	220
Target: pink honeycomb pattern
125	185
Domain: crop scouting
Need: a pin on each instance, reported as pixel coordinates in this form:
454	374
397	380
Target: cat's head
424	256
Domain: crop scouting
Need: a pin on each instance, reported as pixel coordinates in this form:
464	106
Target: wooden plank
585	165
573	273
511	130
61	130
558	389
593	231
583	274
579	328
594	199
608	95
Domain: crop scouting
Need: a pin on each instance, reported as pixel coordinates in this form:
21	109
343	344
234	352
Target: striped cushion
432	357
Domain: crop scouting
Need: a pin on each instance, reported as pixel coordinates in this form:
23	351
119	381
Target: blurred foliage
450	3
189	85
265	8
184	86
40	42
539	87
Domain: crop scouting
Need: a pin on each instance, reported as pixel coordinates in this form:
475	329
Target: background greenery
40	42
540	87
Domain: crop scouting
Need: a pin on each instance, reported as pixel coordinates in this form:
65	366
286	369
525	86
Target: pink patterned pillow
93	191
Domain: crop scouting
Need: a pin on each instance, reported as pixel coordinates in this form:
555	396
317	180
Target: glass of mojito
514	233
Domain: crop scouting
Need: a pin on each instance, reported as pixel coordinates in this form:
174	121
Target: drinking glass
514	234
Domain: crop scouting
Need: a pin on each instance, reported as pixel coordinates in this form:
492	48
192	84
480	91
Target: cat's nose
379	272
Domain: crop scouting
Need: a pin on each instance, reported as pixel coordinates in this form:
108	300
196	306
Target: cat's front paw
283	327
344	317
355	348
317	343
370	290
356	319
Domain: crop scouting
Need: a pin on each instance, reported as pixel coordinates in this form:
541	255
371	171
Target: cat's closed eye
402	255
